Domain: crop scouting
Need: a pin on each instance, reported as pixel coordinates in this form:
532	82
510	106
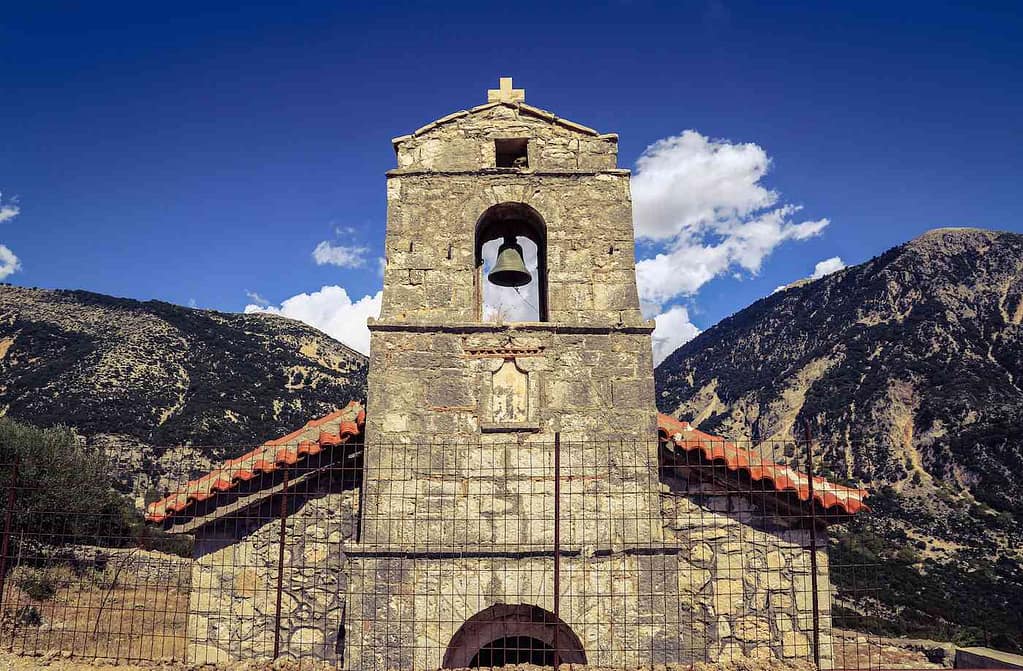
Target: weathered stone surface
233	601
794	644
753	630
728	596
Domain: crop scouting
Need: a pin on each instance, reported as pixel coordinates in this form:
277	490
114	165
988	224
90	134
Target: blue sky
197	152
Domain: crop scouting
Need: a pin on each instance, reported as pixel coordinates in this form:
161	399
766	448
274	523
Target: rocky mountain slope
165	390
909	369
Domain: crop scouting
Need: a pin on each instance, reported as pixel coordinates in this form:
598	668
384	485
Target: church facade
516	494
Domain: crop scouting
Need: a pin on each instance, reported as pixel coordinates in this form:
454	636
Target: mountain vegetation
165	391
908	371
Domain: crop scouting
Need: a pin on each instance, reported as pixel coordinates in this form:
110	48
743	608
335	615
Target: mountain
165	390
909	370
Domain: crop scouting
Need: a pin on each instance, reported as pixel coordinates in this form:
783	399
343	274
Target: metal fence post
12	487
280	563
813	547
557	546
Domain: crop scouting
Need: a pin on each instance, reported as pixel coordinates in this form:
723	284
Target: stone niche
510	389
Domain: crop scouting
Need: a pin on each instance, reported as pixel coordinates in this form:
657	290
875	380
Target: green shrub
38	584
64	490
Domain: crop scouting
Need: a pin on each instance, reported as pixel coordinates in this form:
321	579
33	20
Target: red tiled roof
782	478
338	427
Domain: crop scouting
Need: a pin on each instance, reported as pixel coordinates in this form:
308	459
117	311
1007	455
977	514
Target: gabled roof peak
512	98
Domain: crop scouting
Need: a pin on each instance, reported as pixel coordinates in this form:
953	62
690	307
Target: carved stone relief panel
509	395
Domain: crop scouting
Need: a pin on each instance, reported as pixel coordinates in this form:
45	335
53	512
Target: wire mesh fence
618	554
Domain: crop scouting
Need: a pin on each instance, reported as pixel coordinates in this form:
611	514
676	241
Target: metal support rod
280	564
12	487
813	547
557	546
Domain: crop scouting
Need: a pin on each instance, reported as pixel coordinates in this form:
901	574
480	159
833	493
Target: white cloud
342	256
8	210
672	331
701	201
700	207
332	311
257	299
9	262
827	266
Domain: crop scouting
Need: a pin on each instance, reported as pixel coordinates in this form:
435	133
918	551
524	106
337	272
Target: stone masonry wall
233	603
137	566
430	271
724	583
721	582
464	141
614	604
430	387
462	497
746	580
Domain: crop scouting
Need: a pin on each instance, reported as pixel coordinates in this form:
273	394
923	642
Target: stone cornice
510	172
644	328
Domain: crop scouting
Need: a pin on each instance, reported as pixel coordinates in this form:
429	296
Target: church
508	493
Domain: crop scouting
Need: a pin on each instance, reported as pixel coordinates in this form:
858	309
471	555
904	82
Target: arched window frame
516	219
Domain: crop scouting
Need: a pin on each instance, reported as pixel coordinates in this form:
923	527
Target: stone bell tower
465	401
583	365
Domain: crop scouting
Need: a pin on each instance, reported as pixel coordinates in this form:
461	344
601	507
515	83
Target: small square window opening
512	153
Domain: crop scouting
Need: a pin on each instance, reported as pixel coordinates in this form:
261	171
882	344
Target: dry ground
96	617
55	662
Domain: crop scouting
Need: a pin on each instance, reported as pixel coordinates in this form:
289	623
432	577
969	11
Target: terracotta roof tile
832	497
336	428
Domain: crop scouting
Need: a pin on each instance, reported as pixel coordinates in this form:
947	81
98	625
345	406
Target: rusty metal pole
813	547
557	546
280	564
12	487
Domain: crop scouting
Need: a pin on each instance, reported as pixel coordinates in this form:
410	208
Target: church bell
510	269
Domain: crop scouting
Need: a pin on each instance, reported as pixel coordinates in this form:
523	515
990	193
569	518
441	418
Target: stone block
628	393
752	630
692	578
794	644
701	554
728	596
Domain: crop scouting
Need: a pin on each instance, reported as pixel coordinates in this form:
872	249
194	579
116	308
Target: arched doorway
512	634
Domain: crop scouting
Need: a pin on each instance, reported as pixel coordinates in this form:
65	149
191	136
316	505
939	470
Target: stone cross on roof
506	94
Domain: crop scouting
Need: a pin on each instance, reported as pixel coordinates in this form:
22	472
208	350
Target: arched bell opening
511	264
512	634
